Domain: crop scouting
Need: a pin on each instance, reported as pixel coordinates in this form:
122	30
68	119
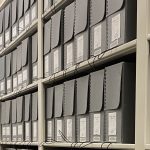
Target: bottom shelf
92	145
77	145
20	143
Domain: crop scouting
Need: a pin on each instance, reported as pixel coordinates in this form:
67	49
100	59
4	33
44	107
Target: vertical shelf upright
142	128
41	99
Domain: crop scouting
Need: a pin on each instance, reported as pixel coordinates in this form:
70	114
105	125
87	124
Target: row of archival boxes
15	18
85	109
86	28
19	68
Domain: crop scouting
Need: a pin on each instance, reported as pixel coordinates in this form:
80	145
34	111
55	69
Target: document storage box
34	117
7	24
120	103
14	120
14	69
8	120
20	119
19	67
69	110
27	12
97	27
27	118
14	16
35	57
3	76
3	116
69	21
9	73
26	62
96	108
82	109
47	49
121	22
34	7
57	42
21	15
81	30
2	29
50	114
58	113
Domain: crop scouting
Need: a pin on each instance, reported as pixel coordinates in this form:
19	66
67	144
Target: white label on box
33	12
49	128
56	61
96	127
7	37
46	64
14	31
69	54
24	74
35	71
14	82
115	28
1	40
34	131
27	129
80	48
82	129
46	4
4	131
19	129
97	36
27	19
8	84
2	86
57	1
21	26
14	130
59	130
19	78
112	123
112	138
7	131
69	129
114	43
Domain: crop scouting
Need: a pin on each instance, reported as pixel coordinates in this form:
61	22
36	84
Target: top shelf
13	44
54	8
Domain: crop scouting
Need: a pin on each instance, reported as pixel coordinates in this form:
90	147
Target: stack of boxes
19	119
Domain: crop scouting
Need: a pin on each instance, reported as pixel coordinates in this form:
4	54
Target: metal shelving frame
140	46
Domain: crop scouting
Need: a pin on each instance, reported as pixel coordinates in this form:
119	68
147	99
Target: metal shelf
3	3
54	8
108	56
20	92
148	37
92	145
147	147
27	32
20	143
140	46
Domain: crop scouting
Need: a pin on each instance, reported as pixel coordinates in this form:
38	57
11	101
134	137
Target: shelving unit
139	46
